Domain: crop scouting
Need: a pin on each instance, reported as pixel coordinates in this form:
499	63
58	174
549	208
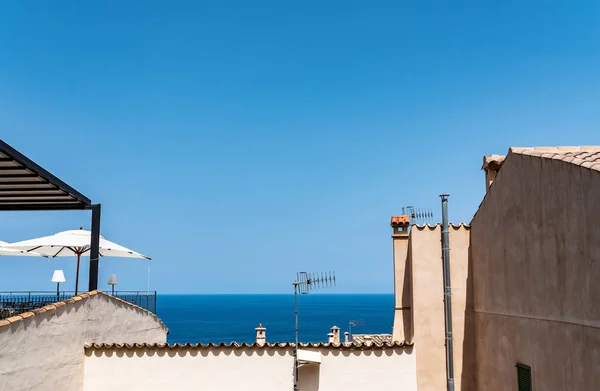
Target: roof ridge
71	300
422	227
235	345
583	156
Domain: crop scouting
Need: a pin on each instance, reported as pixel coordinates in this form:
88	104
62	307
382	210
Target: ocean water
228	318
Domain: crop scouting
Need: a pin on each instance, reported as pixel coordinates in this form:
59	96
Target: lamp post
112	281
58	277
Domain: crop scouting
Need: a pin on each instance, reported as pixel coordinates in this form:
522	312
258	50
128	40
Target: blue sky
239	142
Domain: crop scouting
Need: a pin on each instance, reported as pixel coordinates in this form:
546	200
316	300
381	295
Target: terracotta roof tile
585	156
400	220
492	160
234	345
451	225
375	338
72	300
14	319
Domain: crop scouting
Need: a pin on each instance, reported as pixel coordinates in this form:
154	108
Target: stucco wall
46	351
428	308
261	369
536	267
403	321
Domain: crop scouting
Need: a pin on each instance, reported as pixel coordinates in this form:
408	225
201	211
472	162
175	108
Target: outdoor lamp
58	277
112	280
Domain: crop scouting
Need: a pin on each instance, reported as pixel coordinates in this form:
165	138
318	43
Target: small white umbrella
73	243
17	253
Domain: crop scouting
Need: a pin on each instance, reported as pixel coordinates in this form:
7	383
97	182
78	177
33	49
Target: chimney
330	337
400	226
402	328
336	334
491	166
347	337
368	340
261	335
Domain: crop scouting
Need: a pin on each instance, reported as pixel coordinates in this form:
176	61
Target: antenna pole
305	282
296	345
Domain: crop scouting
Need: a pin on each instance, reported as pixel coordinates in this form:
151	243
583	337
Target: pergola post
95	247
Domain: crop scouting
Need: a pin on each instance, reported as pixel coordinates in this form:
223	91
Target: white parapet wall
43	350
248	367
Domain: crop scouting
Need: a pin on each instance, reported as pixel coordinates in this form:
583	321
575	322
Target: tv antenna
304	284
418	215
352	324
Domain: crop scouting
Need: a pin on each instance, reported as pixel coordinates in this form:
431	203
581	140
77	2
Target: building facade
536	265
524	278
42	350
419	305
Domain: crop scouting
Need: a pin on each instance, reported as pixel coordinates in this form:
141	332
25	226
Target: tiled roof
588	157
492	160
71	300
398	220
433	227
375	338
234	345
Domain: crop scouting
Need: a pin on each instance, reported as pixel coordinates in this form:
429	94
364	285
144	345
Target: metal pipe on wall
447	293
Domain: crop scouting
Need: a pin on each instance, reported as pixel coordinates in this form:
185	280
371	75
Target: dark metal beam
25	197
38	201
12	168
94	247
14	176
42	207
42	182
25	190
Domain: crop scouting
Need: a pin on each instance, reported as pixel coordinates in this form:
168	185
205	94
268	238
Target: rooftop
375	338
71	301
584	156
233	345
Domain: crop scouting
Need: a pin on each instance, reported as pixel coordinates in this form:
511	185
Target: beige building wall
44	352
536	267
403	320
248	368
428	308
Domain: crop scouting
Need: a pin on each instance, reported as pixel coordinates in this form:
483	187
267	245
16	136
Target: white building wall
260	369
372	370
45	352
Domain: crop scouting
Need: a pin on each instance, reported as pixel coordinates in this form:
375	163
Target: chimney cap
400	220
335	328
493	161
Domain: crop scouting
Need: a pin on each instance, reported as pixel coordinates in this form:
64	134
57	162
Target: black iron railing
15	303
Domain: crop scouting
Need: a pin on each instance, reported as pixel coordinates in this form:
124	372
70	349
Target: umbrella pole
77	276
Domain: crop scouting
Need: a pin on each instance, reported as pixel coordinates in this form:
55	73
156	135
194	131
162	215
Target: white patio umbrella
73	243
17	253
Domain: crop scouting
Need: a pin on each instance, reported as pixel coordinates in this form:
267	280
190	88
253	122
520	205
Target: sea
233	318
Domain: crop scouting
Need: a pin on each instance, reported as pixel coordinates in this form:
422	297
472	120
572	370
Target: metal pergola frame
26	186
